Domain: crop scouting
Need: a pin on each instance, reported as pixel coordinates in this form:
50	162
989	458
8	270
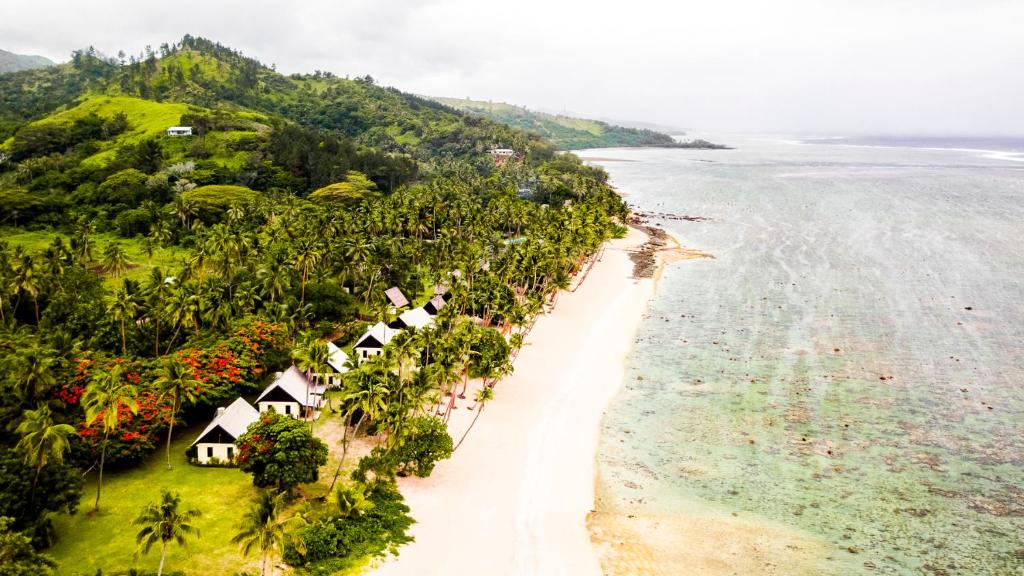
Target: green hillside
11	62
148	278
567	132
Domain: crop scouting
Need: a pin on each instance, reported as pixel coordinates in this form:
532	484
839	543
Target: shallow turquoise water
851	364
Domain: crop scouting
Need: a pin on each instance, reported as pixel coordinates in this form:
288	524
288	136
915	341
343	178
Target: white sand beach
514	498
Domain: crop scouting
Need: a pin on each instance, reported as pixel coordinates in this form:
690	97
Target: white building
291	393
372	342
218	439
414	318
502	152
337	363
179	131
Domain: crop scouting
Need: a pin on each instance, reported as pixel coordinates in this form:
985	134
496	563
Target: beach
515	497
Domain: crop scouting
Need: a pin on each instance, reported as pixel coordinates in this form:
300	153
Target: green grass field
168	259
106	540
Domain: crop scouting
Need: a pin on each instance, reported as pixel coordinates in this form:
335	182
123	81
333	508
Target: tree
367	391
124	308
163	522
17	555
42	440
115	259
28	498
424	443
175	379
280	451
106	397
484	395
263	529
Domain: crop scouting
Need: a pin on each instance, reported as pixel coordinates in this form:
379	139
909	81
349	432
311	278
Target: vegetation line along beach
243	317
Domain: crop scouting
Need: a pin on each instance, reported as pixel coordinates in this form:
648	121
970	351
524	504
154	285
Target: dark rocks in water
968	307
645	259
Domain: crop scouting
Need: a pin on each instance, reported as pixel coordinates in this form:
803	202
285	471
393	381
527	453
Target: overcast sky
819	66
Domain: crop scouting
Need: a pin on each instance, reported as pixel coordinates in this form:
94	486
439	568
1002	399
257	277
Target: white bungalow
218	439
293	394
372	342
415	318
434	305
501	152
179	131
337	364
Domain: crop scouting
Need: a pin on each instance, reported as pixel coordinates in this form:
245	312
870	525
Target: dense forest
147	279
569	133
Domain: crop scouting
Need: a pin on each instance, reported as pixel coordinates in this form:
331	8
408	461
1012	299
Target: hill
567	132
11	62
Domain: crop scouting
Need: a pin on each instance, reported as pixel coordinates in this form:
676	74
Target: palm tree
484	395
105	397
115	259
263	528
124	307
352	501
32	370
163	522
175	379
42	440
367	393
311	355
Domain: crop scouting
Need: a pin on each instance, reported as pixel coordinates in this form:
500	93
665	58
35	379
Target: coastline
515	497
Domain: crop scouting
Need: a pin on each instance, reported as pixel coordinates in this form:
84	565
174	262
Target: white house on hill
336	365
218	438
372	342
179	131
414	318
293	394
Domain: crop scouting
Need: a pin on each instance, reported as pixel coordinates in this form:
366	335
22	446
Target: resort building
293	394
502	152
217	441
414	318
372	342
395	296
179	131
337	364
434	305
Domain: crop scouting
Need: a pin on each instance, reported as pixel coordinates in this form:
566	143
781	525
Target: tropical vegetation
147	279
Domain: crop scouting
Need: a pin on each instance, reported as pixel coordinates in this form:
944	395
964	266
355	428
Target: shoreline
511	500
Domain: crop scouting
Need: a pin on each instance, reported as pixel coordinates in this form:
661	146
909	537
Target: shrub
280	451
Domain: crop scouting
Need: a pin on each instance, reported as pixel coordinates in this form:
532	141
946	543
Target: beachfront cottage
179	131
415	318
293	394
434	305
217	440
337	364
372	342
395	296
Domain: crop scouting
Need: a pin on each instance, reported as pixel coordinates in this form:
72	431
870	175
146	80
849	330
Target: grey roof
337	358
235	420
436	303
296	385
396	297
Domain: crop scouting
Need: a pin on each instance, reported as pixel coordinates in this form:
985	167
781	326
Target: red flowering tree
138	434
235	365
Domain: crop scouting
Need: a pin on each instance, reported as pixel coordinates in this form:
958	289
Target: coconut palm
123	308
106	396
367	392
42	440
484	395
163	522
115	259
263	529
176	380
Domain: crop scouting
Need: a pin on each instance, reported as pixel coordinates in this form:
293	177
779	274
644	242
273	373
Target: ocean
850	365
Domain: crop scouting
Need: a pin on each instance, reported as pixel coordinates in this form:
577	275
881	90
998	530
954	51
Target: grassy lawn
168	259
107	540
